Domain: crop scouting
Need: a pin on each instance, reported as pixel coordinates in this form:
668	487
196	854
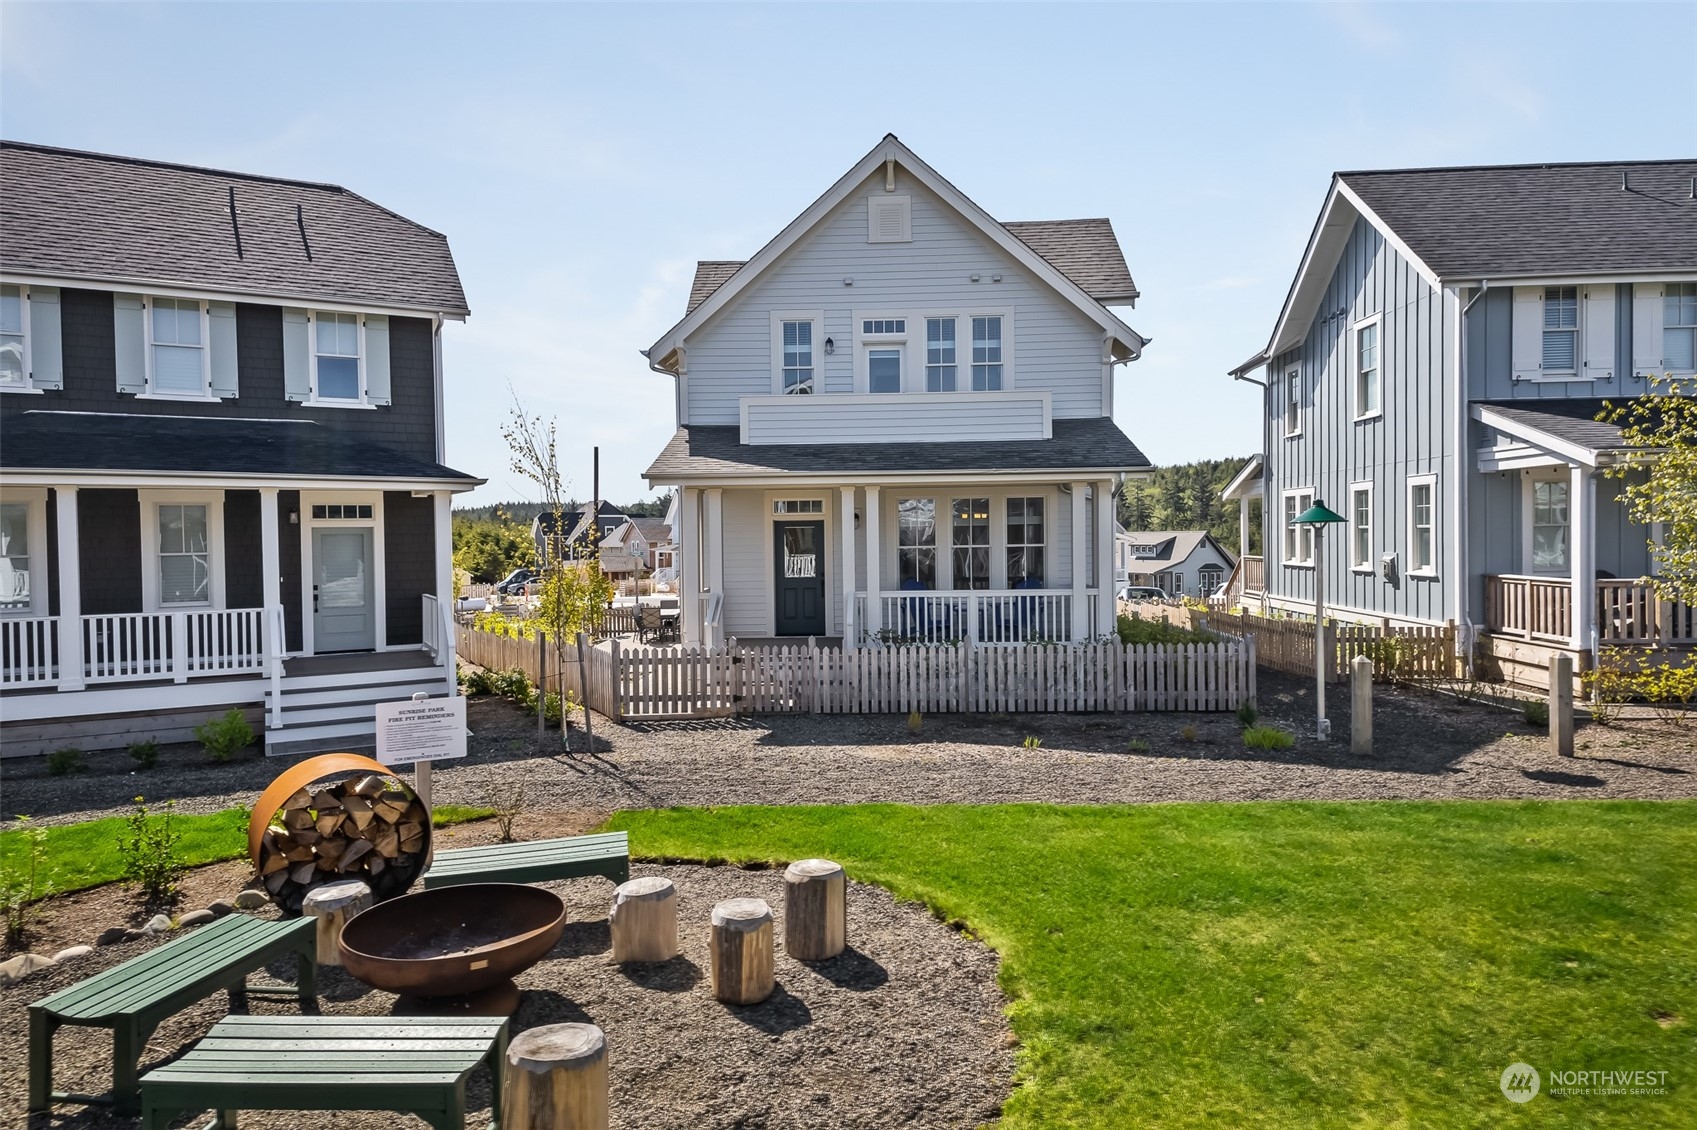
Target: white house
896	421
1178	562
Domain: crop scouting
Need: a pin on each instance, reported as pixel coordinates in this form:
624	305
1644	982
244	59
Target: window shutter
889	219
1528	332
377	358
222	342
1647	328
297	355
46	342
1597	321
129	326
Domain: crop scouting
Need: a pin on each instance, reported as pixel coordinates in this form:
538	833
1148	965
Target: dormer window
177	348
336	356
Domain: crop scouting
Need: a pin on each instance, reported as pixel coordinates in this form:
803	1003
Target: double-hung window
1299	540
336	357
1293	402
1550	526
986	353
1423	525
16	593
177	348
185	559
13	368
798	358
1025	543
1367	370
1361	526
916	542
972	543
940	366
1561	330
1679	327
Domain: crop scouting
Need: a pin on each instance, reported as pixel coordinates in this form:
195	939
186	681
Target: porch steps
333	712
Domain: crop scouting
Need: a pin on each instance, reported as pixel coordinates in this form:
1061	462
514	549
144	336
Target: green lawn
86	855
1294	965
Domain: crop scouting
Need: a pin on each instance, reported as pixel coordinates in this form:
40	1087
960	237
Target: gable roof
663	352
1500	222
1168	547
710	275
72	215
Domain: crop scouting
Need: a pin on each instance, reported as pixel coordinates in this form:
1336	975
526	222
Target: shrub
1267	737
1138	630
914	722
1187	734
478	682
148	847
1032	741
1536	712
1137	745
507	798
1246	714
512	683
23	885
224	735
62	762
146	753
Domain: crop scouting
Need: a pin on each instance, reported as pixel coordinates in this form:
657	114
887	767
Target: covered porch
1248	580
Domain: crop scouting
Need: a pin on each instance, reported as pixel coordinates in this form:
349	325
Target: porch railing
1534	608
979	616
1253	570
1626	612
432	625
226	641
130	646
29	651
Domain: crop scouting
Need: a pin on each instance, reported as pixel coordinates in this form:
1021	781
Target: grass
79	856
1294	964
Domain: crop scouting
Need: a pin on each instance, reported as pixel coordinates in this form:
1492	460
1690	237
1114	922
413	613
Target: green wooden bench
415	1064
535	861
133	998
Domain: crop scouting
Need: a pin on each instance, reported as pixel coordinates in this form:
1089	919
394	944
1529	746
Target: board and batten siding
1334	450
940	417
1490	354
1048	343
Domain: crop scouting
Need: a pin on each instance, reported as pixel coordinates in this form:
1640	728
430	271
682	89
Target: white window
336	373
1299	540
987	353
940	367
14	365
1025	543
884	369
17	540
1550	526
971	543
1293	402
798	506
876	327
1208	579
916	542
1361	526
177	361
1367	370
1679	327
1423	525
185	556
798	358
1561	330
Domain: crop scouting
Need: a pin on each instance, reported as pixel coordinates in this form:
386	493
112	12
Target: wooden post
333	904
542	690
1561	705
1361	706
556	1079
583	679
741	971
815	910
644	920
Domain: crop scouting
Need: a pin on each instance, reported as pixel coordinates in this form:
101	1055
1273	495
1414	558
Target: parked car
516	581
1141	592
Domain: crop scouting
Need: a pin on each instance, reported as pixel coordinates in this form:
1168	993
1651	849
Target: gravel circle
906	1028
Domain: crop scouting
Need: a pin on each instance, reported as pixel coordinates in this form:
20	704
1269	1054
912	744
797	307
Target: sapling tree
1659	470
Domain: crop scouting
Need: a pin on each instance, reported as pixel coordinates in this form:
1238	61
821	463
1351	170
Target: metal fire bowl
452	940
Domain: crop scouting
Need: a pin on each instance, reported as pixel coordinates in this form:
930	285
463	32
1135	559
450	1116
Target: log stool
644	920
742	951
556	1079
333	904
815	910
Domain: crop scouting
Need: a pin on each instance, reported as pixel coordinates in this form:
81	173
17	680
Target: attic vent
889	219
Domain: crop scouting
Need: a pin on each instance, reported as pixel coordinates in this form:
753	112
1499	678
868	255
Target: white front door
344	607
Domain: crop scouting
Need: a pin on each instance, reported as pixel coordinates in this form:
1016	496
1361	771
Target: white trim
797	481
1651	275
149	345
830	553
779	317
1390	235
27	384
1431	481
1377	321
238	690
1251	473
965	400
1292	373
194	479
865	343
35	530
258	297
1301	494
379	562
1368	566
1561	475
216	560
1567	449
313	400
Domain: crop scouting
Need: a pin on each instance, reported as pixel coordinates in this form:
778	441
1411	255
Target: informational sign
429	729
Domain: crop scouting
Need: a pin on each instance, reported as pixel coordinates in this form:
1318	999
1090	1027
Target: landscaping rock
195	918
17	968
113	935
72	953
158	924
221	907
252	900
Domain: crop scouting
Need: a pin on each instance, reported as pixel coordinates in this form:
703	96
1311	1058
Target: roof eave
191	286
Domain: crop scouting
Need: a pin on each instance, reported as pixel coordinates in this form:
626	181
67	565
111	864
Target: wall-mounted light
857	519
848	282
997	277
830	347
974	278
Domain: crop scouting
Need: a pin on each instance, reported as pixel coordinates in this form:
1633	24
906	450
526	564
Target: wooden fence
589	678
1413	652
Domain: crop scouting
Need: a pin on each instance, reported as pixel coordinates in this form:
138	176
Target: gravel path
1428	747
904	1029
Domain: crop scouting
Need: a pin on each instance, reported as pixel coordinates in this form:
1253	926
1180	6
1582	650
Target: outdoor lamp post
1318	517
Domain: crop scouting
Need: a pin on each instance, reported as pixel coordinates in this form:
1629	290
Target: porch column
1582	519
874	564
1080	562
846	572
688	536
713	555
445	593
270	554
1243	525
70	590
1104	559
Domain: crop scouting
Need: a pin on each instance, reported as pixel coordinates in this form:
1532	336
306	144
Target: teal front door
344	607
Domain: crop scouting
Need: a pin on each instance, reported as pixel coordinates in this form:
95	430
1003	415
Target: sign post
419	731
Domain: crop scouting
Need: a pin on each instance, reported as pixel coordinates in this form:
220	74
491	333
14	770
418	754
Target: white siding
747	589
939	417
1050	344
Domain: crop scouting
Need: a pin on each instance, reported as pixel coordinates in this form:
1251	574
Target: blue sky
581	158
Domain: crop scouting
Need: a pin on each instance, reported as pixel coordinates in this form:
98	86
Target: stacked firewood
366	828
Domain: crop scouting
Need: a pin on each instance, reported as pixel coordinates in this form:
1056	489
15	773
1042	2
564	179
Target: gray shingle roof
91	216
1511	220
92	441
710	275
714	450
1171	546
1085	251
1572	420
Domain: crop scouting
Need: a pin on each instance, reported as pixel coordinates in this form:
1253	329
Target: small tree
1659	469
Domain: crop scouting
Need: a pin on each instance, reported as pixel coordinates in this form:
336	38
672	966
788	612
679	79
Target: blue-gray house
1435	375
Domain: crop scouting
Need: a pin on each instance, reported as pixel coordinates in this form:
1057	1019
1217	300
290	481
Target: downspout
1464	588
441	386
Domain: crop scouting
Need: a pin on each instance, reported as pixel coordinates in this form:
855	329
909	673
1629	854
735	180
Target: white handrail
277	642
29	651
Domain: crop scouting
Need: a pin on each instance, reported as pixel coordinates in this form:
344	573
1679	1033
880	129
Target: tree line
1186	496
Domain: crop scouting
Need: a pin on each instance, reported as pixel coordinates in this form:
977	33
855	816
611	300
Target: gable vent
889	219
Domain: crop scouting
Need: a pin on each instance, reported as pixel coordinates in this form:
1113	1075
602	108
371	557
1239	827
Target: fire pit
453	941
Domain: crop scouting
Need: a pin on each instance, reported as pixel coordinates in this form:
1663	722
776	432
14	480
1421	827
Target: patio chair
649	623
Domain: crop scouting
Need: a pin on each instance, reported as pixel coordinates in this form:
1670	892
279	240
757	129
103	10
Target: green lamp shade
1316	515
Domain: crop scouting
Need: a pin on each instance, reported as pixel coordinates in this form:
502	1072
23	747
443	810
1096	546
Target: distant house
1178	562
581	536
638	541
